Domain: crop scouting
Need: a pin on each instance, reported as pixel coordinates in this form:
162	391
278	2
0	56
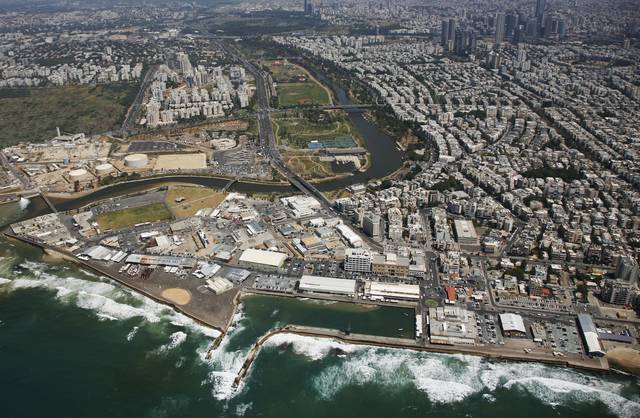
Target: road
268	140
134	109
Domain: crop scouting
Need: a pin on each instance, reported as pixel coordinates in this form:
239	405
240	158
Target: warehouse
219	285
328	285
348	234
452	325
512	325
161	260
391	291
589	335
262	260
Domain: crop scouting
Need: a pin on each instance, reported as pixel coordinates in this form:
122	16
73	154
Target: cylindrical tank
136	160
104	169
77	174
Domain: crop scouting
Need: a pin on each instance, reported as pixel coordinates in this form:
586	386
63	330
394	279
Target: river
385	158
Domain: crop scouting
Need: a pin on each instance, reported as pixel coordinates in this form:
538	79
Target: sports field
307	93
295	85
298	132
123	218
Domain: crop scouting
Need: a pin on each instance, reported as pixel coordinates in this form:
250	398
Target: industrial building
262	260
301	206
391	291
327	285
589	335
452	325
161	260
512	325
219	285
349	235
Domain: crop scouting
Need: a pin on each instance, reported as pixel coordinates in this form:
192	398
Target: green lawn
295	84
32	115
304	93
119	219
297	132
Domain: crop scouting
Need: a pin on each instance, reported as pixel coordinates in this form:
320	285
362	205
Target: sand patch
181	162
177	296
625	358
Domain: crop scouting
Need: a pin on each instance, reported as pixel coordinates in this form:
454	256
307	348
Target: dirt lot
181	162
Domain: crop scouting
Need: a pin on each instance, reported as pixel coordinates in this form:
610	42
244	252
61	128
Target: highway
134	109
268	140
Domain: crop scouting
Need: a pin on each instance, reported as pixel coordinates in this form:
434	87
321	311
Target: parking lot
275	283
489	329
153	146
563	337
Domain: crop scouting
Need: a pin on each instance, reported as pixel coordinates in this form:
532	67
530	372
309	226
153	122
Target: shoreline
57	254
408	344
597	365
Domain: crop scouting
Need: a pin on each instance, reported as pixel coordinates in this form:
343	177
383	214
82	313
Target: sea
74	344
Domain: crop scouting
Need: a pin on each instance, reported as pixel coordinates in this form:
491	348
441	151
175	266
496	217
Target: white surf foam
224	362
24	202
243	408
175	340
105	299
312	348
4	281
131	335
452	378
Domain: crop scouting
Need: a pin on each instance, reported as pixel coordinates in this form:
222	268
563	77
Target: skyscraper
444	35
500	22
511	23
453	25
541	5
459	44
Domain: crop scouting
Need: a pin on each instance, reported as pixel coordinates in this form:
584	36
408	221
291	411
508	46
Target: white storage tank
77	174
136	160
104	169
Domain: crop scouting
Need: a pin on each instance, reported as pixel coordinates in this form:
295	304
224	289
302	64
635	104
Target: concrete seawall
595	365
63	255
497	352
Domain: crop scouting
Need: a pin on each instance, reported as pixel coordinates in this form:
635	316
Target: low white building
391	291
512	325
262	260
328	285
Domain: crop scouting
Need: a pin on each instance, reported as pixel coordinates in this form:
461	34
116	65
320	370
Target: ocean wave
243	408
4	281
224	362
446	378
105	299
175	340
310	347
131	335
